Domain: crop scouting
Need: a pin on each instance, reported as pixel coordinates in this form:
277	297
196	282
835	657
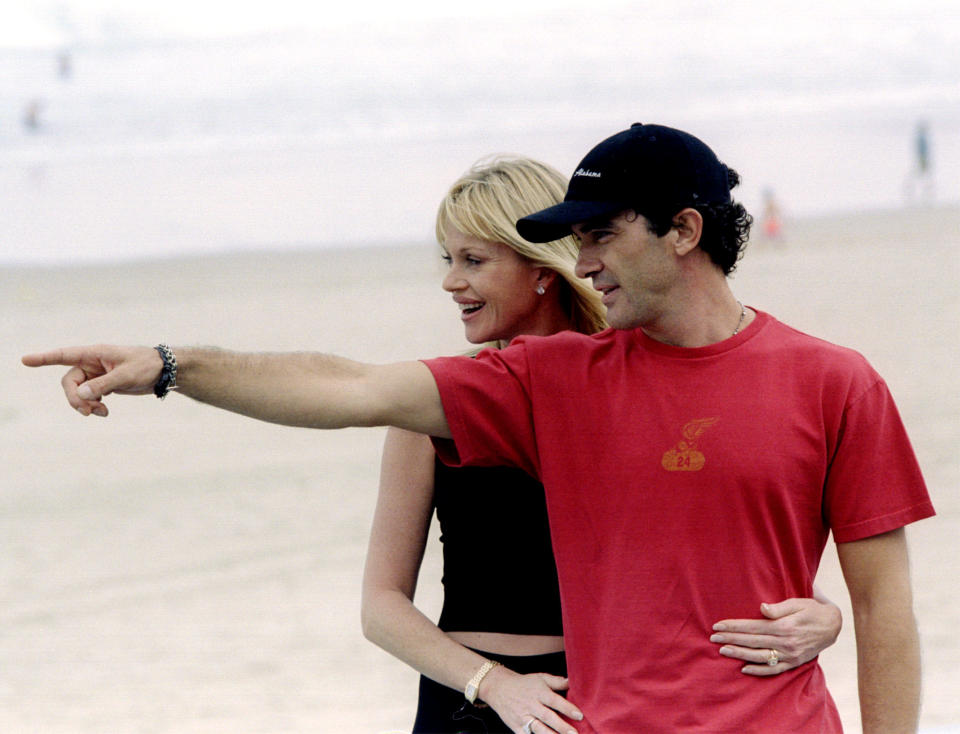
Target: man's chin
619	320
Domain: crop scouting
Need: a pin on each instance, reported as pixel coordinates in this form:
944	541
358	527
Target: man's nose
587	263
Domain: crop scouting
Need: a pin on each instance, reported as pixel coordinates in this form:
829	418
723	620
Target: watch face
473	687
471	692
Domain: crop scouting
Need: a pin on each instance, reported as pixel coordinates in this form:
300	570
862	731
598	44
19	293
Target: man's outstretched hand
97	371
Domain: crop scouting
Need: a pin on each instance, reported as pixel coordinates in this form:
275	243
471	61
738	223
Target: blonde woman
501	600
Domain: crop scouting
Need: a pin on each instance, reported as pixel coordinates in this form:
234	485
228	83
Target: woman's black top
499	574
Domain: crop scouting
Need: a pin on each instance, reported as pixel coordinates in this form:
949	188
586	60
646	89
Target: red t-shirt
685	486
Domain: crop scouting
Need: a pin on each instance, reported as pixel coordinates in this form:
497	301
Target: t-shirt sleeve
486	401
874	483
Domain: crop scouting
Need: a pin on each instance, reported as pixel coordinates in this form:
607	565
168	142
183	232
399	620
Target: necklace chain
743	313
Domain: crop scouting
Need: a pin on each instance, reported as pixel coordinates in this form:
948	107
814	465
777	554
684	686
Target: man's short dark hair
726	227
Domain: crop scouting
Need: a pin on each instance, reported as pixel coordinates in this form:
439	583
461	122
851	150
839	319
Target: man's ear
688	224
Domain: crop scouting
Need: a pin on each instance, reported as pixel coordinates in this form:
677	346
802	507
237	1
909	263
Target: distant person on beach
505	287
31	115
695	457
771	218
922	149
64	64
920	180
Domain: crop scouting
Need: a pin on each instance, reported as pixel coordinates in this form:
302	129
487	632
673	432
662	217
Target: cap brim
556	222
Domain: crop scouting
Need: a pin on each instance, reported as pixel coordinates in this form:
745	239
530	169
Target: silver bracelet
168	377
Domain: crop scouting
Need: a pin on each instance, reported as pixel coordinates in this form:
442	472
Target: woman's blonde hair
486	203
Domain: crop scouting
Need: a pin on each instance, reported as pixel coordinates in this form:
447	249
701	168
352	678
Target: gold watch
473	687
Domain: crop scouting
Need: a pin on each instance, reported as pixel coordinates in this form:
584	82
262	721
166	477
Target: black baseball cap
647	168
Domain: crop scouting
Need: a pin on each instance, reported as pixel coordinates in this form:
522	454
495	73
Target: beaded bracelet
168	378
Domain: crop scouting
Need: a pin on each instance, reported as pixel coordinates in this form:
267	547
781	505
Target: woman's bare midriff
504	644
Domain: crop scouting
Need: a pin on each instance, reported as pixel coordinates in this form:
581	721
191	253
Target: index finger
748	626
67	356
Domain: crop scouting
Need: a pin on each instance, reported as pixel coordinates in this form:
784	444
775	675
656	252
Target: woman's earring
540	290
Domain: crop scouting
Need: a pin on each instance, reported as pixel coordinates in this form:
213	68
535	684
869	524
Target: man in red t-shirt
695	457
697	462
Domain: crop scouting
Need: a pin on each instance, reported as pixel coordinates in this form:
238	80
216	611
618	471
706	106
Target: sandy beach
179	569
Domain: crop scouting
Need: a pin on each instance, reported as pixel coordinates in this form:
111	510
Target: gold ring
773	658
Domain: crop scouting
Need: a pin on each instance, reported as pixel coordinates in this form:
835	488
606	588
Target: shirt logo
684	456
588	173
